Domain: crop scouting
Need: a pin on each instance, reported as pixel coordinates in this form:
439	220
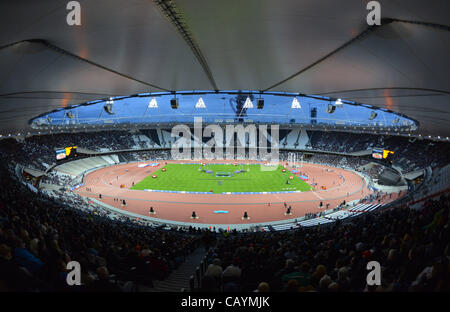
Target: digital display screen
380	153
60	154
377	153
66	152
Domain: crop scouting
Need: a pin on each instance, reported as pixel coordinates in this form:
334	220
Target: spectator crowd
412	247
40	232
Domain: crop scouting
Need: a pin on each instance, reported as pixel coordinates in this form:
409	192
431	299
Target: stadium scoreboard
381	153
66	152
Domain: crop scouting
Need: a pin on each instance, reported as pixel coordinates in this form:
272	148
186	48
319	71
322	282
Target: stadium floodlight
108	107
260	104
248	103
110	101
338	103
373	115
174	103
330	109
153	103
295	103
200	103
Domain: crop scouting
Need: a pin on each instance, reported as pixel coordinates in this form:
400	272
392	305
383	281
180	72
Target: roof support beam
70	54
363	34
172	13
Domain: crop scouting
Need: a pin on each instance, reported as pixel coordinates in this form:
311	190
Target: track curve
261	208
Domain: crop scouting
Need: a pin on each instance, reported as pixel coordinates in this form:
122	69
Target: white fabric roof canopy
130	46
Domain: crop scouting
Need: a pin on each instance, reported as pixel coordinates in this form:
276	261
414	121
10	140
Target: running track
179	207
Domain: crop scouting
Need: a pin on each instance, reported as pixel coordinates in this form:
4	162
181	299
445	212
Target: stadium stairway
180	277
303	139
122	158
291	138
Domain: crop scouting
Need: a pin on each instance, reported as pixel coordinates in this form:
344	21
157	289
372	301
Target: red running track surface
179	207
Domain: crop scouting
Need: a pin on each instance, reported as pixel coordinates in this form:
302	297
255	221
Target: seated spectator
291	286
103	284
231	273
324	282
317	275
13	277
288	268
214	269
25	258
263	287
302	276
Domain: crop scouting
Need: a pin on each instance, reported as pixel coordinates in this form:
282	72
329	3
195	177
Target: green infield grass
193	178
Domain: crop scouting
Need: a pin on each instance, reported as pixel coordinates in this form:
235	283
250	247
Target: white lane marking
318	196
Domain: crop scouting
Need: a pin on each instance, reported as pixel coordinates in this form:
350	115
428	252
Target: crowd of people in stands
114	140
57	178
149	155
41	232
407	150
38	237
313	215
412	247
342	142
337	160
39	151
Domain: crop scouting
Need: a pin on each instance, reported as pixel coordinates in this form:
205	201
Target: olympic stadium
224	146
